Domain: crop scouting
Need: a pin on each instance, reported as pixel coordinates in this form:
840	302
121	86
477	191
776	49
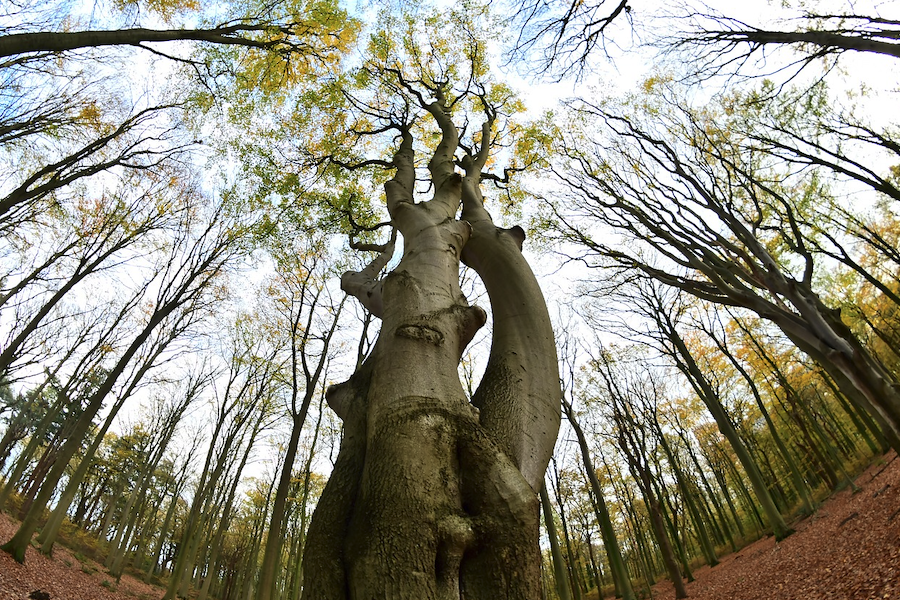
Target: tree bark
823	42
641	473
51	41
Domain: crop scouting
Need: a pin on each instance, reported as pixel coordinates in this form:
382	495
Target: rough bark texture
431	496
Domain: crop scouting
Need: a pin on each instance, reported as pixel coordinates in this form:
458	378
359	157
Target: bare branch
365	285
563	33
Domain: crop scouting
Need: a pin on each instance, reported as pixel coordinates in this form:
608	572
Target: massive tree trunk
431	496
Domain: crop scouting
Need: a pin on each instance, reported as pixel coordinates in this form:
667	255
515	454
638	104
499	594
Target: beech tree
185	281
432	496
305	320
242	406
289	29
619	569
629	393
714	329
559	567
709	218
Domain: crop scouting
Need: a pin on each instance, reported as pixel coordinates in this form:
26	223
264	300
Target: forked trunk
431	496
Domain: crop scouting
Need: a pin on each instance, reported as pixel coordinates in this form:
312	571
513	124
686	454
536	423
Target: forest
558	299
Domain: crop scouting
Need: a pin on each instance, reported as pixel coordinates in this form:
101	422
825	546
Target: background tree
763	263
185	292
306	318
628	395
720	44
560	37
243	406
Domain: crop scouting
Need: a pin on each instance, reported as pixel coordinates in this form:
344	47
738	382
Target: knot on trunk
472	319
516	233
421	332
337	396
454	535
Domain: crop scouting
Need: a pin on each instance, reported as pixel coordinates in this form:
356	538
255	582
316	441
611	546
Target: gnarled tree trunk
431	496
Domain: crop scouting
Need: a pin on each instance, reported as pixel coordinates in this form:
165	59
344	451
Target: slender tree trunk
857	414
164	530
642	558
596	572
224	520
572	565
51	529
706	545
34	443
297	571
746	496
726	530
208	478
114	495
16	429
787	457
738	521
665	509
614	553
273	546
659	529
38	474
121	546
149	520
559	567
90	499
710	399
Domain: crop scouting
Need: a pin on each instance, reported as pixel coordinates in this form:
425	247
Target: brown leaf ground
65	576
848	550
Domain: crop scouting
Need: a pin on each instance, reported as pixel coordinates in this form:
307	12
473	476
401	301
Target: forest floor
848	550
67	575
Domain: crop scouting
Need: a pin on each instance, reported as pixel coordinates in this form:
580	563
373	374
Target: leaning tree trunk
617	565
431	496
687	365
559	567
